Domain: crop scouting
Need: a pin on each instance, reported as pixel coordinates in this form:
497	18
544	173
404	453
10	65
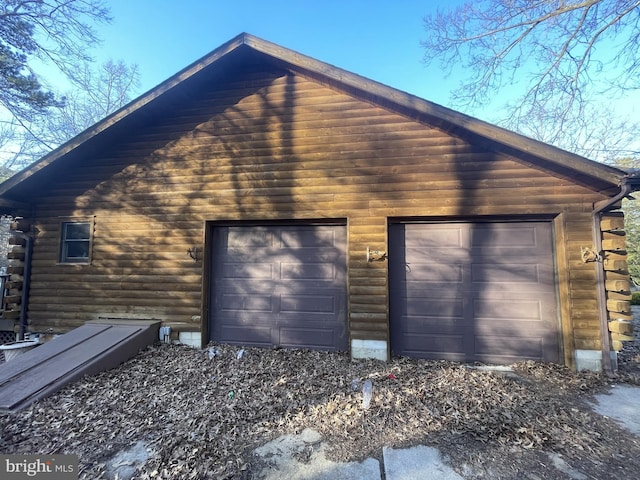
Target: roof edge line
435	111
359	85
128	109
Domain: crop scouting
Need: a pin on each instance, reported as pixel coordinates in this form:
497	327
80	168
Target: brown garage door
280	286
473	291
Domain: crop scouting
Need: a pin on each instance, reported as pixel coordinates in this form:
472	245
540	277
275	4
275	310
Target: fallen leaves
202	413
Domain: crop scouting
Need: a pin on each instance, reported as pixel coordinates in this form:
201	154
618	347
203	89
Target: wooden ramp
87	350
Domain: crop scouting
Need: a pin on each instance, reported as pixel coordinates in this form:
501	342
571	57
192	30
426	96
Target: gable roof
246	49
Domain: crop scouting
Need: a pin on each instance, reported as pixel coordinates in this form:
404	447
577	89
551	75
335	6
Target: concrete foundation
592	360
193	339
376	349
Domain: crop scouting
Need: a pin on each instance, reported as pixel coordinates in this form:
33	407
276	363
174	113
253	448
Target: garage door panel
247	270
246	303
488	280
258	237
510	236
435	272
307	271
508	348
289	278
435	256
308	304
433	290
244	318
434	325
308	237
436	347
433	308
440	237
509	274
249	335
506	326
318	338
275	288
516	310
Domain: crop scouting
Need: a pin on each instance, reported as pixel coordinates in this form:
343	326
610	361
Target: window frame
64	242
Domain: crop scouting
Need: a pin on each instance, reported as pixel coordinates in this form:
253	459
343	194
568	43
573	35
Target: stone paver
302	457
416	463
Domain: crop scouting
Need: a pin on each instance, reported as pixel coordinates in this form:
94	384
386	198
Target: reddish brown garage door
280	286
473	291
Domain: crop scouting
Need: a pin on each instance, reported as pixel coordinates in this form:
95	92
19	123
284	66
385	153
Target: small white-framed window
75	242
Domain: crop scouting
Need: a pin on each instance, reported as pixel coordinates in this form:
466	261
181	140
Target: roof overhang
248	48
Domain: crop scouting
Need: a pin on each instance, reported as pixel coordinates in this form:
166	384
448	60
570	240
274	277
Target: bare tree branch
62	33
566	55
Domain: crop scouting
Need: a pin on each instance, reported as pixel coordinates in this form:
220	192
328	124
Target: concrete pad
623	405
417	463
302	457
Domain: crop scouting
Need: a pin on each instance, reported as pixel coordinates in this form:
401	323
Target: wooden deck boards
86	350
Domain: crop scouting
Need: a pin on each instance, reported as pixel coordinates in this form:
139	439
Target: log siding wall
280	146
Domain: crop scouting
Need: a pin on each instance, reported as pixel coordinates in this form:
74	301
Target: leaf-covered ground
201	413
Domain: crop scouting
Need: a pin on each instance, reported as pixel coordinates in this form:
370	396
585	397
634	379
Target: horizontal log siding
277	147
582	281
368	286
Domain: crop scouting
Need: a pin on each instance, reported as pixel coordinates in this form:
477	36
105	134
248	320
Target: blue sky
374	38
377	39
